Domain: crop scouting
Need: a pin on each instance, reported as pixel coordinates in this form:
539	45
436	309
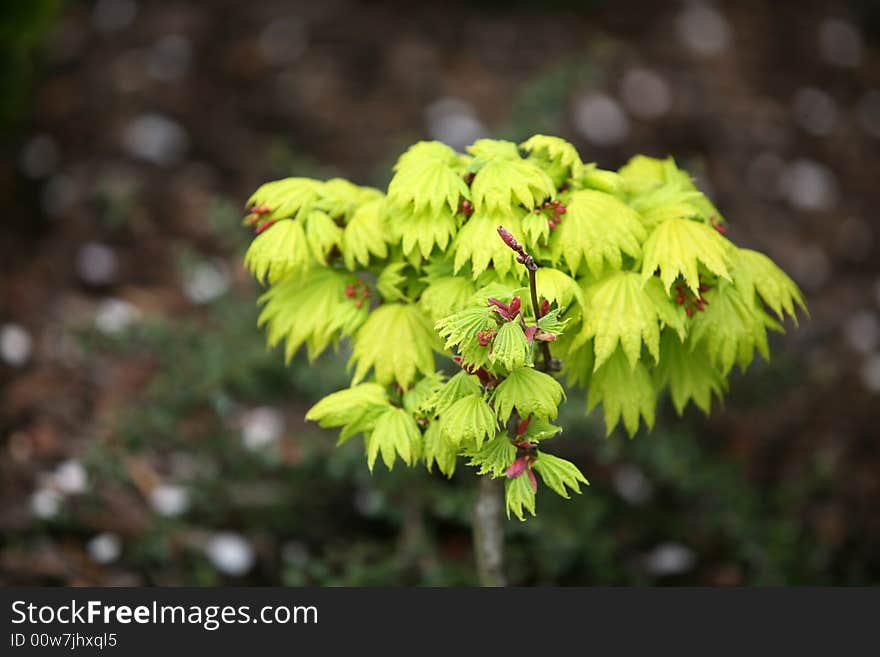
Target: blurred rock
815	111
645	94
871	373
454	122
869	112
854	239
261	427
97	264
58	195
113	15
39	157
206	281
669	559
296	553
862	331
840	42
600	119
115	315
283	41
703	29
809	185
811	267
45	503
169	500
70	477
157	139
368	501
104	548
230	553
170	58
15	345
764	175
632	484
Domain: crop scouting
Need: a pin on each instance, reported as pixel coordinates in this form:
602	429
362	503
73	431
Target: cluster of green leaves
639	291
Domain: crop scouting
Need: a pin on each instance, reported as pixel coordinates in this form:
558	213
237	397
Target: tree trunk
488	532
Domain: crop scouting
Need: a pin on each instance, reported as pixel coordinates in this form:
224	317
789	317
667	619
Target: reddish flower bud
537	210
523	426
467	208
546	204
552	225
517	467
545	336
349	290
679	299
720	228
545	307
689	311
359	303
532	480
515	305
561	210
704	288
265	226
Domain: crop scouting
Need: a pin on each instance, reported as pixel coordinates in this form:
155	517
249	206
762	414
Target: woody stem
488	532
545	348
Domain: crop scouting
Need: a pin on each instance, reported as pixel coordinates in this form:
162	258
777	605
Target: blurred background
148	438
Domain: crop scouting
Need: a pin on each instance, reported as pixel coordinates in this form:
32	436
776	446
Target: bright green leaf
597	229
559	474
678	246
529	392
396	341
624	391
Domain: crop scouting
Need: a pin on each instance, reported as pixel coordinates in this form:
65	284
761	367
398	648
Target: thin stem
545	348
488	532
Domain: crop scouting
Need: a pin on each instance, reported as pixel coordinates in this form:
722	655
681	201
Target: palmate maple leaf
623	309
677	247
598	229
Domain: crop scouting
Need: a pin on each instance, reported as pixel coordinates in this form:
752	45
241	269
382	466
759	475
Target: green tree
523	266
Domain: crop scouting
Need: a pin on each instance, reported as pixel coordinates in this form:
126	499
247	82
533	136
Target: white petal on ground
261	426
206	281
104	548
45	503
670	559
115	315
230	553
157	139
70	477
169	500
15	345
97	264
